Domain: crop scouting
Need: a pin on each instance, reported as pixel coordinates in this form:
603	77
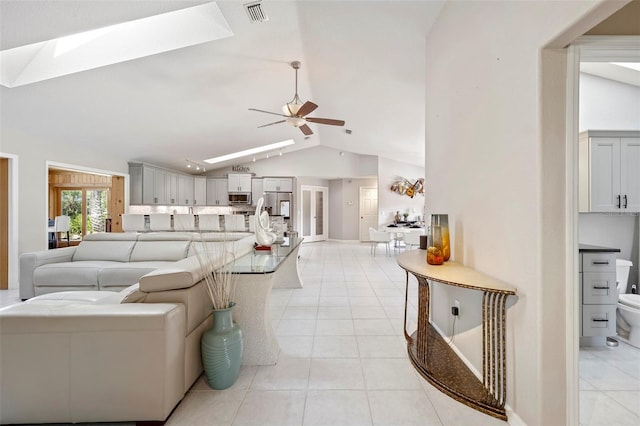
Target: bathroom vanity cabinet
598	294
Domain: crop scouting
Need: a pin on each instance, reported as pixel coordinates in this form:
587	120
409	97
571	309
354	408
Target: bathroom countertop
588	248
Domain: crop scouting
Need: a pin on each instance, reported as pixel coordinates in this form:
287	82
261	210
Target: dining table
398	231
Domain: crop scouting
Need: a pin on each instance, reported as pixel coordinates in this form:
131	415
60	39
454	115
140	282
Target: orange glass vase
442	220
435	255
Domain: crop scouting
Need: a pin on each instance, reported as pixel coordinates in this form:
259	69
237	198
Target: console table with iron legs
432	356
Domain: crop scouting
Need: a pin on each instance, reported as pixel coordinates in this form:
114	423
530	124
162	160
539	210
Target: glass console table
259	272
432	356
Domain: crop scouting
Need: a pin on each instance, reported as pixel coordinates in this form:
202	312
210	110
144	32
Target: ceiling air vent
256	12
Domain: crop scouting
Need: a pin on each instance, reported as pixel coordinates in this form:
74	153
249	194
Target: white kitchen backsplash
185	209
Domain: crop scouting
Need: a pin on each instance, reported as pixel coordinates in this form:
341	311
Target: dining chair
412	238
61	225
379	237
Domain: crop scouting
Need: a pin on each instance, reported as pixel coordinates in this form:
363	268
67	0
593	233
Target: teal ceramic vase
221	349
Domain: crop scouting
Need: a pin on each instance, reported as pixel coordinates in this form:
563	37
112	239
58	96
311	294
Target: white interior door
315	212
368	210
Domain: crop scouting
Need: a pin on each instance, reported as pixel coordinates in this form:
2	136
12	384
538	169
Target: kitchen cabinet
277	184
185	190
217	192
171	188
154	183
257	190
609	171
199	191
598	294
135	179
151	185
239	182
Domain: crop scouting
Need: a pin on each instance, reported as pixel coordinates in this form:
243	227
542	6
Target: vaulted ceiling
362	61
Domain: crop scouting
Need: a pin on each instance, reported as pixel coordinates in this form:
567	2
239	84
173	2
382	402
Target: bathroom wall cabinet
598	294
609	171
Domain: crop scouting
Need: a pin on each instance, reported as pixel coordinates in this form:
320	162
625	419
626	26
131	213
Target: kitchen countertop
588	248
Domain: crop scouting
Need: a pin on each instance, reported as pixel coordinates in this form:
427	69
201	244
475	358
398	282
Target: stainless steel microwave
240	198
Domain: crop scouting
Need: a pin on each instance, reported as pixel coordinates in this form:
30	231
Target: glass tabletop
266	261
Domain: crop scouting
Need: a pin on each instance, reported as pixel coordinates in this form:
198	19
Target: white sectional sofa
105	356
107	261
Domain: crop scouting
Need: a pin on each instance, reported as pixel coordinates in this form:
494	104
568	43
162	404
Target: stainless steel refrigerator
280	204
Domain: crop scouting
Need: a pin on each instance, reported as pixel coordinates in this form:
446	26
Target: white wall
484	163
389	202
33	155
345	207
318	161
608	105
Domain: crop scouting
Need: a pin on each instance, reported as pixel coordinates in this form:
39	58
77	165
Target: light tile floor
343	359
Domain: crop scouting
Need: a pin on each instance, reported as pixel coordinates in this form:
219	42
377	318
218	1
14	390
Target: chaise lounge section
105	356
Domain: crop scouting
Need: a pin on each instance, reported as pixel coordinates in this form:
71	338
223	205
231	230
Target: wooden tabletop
451	273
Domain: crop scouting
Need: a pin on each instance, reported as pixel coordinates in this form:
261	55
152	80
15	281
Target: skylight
631	65
251	151
112	44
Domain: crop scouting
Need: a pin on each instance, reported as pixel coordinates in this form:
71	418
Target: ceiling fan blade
306	130
271	124
328	121
306	108
268	112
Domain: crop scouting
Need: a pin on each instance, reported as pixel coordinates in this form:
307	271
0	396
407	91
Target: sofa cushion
116	251
209	222
234	222
159	250
69	274
182	274
166	236
126	274
111	236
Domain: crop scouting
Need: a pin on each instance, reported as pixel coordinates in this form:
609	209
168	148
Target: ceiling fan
295	112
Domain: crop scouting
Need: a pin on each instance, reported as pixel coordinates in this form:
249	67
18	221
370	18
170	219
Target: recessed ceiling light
251	151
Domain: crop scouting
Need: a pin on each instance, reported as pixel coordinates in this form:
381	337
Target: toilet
628	312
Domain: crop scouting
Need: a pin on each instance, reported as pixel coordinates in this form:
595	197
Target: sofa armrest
100	363
30	261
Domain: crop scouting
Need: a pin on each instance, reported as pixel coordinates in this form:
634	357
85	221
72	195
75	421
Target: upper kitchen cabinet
217	192
257	190
200	191
185	190
609	171
276	184
152	185
239	182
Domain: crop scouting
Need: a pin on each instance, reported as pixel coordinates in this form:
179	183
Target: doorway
315	213
368	211
596	56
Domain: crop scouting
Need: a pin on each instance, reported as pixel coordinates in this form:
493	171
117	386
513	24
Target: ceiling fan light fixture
291	108
296	121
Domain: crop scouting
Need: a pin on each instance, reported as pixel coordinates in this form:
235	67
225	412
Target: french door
315	212
87	208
